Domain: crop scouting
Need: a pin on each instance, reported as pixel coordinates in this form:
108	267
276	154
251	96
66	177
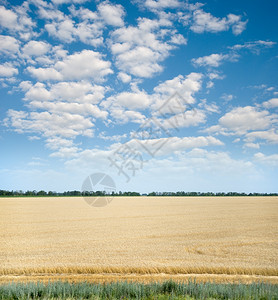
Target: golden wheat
139	237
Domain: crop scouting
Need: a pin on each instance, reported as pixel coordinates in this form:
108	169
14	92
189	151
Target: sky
160	95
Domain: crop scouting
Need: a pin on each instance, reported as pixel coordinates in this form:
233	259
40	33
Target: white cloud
49	124
227	97
115	138
7	70
242	119
89	160
68	1
25	85
88	31
205	22
88	93
64	30
124	77
84	14
213	60
176	94
182	84
8	44
123	116
131	100
272	103
188	118
209	107
171	145
178	39
98	159
212	162
43	74
112	14
56	143
255	46
71	97
268	135
139	50
271	160
82	92
252	145
67	152
162	4
215	75
140	61
239	27
86	64
35	48
36	92
8	18
251	123
85	109
236	140
63	148
17	21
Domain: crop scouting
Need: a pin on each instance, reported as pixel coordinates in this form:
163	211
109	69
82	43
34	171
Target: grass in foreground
125	290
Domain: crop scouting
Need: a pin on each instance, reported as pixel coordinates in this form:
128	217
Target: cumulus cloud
206	22
111	14
175	95
68	1
35	48
161	4
50	124
67	31
115	138
44	74
242	119
252	145
131	100
213	60
81	65
87	26
124	77
182	84
8	18
271	160
251	122
272	103
85	64
8	44
271	136
193	117
7	70
17	21
123	116
85	109
83	24
139	50
72	97
173	144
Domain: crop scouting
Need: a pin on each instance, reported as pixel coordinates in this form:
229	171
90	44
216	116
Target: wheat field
220	239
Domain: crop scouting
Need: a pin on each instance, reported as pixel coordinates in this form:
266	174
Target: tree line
20	193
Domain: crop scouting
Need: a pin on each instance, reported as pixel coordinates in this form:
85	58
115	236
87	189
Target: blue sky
162	95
